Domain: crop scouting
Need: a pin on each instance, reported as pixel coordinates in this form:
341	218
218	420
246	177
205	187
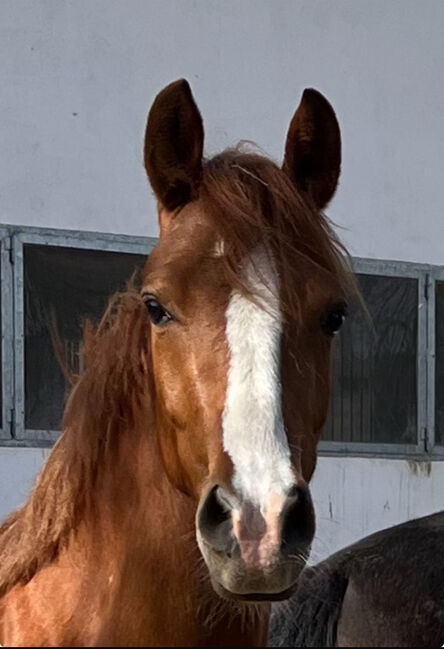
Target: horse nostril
214	520
298	521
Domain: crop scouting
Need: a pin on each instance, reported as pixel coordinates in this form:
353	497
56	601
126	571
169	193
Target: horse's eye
158	315
333	319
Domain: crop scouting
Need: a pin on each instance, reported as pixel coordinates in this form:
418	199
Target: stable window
373	395
62	288
378	371
60	280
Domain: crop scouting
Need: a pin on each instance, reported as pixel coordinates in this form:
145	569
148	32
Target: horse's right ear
174	145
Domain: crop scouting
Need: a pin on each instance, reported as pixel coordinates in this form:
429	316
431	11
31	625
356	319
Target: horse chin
253	597
231	580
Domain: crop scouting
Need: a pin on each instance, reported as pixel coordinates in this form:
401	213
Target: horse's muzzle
252	554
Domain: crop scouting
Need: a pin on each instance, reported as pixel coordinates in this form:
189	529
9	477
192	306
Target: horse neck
142	533
134	500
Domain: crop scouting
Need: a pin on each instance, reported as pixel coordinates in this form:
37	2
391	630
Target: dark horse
387	590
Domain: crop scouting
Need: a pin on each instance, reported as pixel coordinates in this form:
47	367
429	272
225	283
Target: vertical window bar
422	362
7	355
430	295
19	350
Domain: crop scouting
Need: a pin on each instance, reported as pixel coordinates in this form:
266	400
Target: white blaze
253	428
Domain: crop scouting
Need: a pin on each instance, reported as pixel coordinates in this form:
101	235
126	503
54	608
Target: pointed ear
174	145
313	148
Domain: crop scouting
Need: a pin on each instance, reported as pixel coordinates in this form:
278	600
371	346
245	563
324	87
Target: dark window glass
439	366
374	366
73	284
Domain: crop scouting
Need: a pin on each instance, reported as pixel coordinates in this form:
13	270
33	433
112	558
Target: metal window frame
64	238
436	275
420	272
7	336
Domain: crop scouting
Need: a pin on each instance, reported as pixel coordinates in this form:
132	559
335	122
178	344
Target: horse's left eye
158	315
333	319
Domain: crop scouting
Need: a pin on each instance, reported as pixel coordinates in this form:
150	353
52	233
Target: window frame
64	238
436	275
13	431
7	337
420	272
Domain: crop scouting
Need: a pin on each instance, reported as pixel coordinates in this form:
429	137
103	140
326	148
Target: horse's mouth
253	597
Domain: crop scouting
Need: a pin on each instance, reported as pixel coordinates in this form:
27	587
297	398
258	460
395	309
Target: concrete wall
355	496
18	470
77	78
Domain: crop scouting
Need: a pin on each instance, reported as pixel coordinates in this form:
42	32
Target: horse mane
251	202
108	401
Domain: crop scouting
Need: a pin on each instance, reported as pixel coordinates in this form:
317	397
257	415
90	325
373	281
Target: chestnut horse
177	494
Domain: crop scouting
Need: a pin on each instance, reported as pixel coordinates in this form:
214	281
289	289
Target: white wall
356	496
77	78
353	496
18	469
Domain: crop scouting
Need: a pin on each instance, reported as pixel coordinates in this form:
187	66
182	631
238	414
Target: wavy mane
108	401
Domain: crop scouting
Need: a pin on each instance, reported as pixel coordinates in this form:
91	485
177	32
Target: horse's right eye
158	315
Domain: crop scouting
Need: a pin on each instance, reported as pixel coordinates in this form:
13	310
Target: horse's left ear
174	145
313	148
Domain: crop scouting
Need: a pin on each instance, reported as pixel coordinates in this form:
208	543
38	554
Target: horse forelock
251	203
